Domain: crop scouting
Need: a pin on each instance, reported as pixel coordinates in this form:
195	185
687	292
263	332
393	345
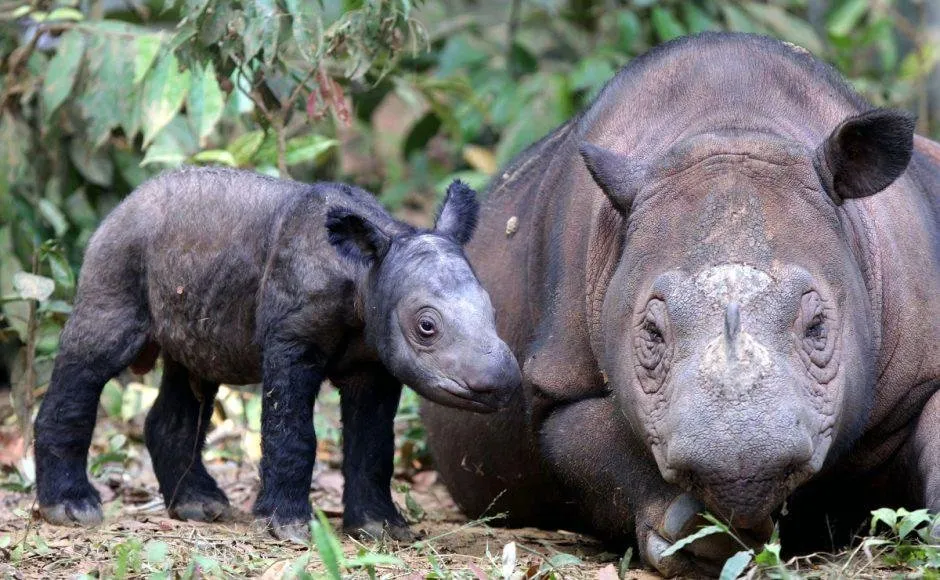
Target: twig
23	391
511	36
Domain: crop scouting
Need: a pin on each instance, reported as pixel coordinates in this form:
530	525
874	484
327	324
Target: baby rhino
239	278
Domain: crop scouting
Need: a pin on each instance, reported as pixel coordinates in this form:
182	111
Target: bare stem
24	389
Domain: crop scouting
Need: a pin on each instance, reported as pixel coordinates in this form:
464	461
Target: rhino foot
705	556
202	510
297	532
83	512
378	530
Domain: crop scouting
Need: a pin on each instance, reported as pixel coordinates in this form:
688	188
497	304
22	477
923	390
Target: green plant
330	550
907	541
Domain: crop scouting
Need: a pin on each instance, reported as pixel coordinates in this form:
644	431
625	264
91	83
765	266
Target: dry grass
138	540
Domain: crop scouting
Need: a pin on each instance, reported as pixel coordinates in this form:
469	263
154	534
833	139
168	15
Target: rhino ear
865	153
355	237
617	175
457	217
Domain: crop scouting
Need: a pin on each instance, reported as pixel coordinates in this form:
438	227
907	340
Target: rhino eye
652	348
816	337
427	326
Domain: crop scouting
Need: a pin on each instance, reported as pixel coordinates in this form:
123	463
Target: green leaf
245	146
61	270
262	30
703	532
845	18
459	53
108	100
172	146
32	287
697	19
562	560
769	556
628	28
62	72
475	179
215	156
93	163
372	559
66	13
591	74
205	102
147	47
306	27
54	216
625	563
738	20
665	24
735	565
329	548
156	551
308	148
785	25
886	515
912	521
164	92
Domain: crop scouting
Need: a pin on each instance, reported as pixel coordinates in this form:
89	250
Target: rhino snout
742	468
497	378
483	381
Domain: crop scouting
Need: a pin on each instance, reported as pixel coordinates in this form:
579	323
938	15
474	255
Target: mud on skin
718	282
239	278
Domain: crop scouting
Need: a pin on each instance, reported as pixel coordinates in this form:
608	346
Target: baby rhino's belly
203	316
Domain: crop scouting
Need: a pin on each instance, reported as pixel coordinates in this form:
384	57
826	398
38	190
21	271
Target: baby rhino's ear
355	237
457	217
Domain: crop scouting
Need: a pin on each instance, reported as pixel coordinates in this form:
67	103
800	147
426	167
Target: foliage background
397	96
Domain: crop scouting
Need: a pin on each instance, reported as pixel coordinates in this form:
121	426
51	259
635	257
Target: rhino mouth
454	394
748	501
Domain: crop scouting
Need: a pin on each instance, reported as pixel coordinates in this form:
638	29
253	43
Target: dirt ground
138	539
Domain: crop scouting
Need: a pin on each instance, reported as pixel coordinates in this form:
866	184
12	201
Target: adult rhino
722	282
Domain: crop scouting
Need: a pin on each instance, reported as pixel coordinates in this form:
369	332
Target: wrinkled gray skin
722	286
239	278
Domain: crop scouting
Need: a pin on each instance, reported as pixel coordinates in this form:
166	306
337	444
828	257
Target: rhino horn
732	327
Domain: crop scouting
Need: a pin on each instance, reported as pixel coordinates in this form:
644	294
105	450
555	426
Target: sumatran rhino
240	278
722	281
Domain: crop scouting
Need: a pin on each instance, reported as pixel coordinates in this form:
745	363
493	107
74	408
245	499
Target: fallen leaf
276	570
423	480
608	572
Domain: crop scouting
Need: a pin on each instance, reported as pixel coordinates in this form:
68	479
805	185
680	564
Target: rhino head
425	313
738	333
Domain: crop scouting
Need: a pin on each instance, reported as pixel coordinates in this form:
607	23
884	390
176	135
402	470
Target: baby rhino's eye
427	325
427	328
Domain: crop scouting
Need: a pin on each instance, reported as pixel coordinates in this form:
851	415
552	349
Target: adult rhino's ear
865	153
457	217
617	175
355	237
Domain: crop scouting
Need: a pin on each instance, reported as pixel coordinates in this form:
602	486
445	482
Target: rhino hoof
85	512
205	510
296	532
377	530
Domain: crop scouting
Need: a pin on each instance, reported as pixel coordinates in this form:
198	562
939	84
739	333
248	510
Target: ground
138	539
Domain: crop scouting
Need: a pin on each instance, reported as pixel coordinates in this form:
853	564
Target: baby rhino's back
204	237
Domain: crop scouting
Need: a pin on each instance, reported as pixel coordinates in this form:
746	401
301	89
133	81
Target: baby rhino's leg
104	335
176	433
369	401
